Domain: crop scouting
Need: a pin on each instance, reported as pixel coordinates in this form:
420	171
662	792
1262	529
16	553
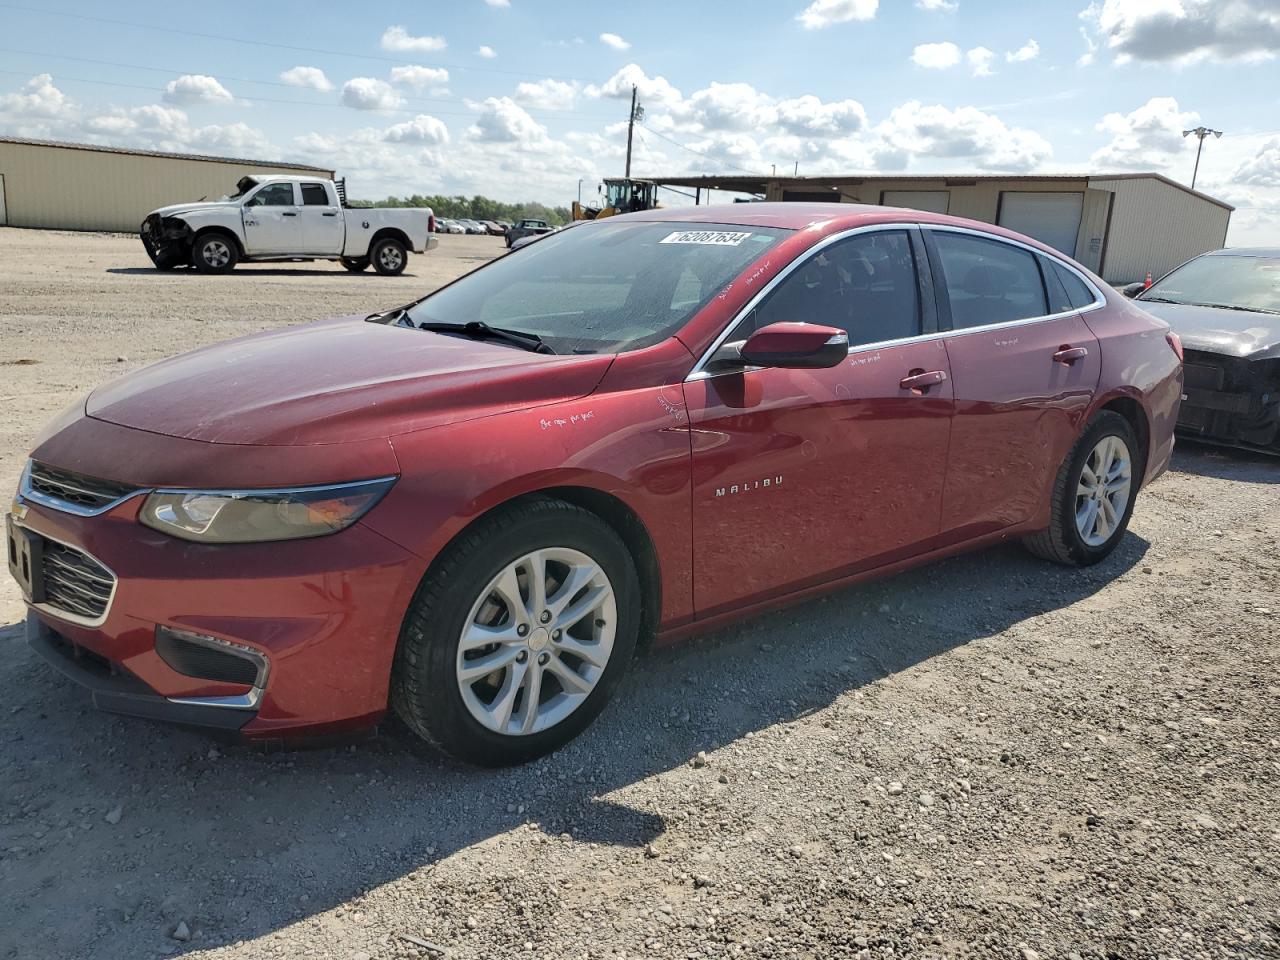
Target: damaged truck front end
167	241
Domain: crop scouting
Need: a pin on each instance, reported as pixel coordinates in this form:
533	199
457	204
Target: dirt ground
988	757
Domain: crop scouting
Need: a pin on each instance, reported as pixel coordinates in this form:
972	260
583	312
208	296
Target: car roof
797	216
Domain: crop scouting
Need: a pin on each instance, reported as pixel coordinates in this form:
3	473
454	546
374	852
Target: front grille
74	582
74	491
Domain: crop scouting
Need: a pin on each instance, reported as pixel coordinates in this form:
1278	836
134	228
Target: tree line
475	208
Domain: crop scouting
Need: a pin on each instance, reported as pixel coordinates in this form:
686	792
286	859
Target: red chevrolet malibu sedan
472	509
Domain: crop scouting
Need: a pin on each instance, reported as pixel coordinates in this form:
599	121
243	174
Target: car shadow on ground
239	843
258	270
1225	463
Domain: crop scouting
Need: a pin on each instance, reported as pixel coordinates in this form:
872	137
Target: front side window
864	284
273	195
988	281
603	287
315	195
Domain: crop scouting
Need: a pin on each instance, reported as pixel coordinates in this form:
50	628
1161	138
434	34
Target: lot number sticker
715	238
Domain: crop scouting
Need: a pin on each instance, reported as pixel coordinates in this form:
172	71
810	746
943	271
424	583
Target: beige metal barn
1121	226
79	186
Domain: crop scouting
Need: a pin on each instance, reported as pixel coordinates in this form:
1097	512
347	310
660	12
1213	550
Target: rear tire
463	597
1087	514
214	253
356	264
389	257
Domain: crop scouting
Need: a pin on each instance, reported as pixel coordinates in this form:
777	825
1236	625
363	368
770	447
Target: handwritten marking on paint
675	412
569	421
758	272
863	359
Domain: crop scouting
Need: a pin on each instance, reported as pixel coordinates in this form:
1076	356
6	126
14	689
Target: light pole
579	191
1201	133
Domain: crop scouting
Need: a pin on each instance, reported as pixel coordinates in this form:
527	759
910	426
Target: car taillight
431	223
1176	342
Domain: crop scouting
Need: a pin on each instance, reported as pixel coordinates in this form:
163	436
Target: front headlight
256	516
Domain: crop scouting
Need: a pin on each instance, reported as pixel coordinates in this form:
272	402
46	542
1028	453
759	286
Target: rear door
1024	368
803	476
271	222
320	220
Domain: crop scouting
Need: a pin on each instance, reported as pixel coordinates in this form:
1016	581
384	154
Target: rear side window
1078	291
314	195
988	281
865	284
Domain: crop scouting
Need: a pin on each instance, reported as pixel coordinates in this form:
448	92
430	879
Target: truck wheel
389	257
356	264
214	253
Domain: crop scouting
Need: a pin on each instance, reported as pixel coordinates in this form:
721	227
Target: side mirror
1131	290
801	346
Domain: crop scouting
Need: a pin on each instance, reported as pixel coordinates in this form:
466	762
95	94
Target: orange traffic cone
1147	285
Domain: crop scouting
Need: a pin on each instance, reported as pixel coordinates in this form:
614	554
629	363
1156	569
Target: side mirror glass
800	346
1131	290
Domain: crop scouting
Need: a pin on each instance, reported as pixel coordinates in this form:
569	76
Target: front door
803	476
1024	367
320	221
271	220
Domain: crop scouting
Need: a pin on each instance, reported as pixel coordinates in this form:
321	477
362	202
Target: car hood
181	209
337	381
1236	333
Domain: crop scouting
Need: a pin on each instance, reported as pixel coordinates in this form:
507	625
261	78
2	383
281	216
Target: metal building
1120	226
80	186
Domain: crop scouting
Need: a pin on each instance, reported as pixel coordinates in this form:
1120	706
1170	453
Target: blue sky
520	99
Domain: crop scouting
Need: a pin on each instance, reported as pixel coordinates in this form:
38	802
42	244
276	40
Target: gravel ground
989	757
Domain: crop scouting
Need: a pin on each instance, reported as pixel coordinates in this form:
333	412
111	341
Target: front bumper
1232	401
325	613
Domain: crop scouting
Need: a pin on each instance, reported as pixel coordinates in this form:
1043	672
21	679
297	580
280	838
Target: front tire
214	253
1093	494
518	636
389	257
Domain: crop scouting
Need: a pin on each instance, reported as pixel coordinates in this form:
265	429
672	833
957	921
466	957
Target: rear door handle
1070	355
919	381
331	213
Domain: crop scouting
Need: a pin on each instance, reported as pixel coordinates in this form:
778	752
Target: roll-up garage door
931	201
1051	218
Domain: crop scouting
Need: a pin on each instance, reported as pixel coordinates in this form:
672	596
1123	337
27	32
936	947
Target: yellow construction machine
620	196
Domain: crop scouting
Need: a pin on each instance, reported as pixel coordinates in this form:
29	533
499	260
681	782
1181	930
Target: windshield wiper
479	330
1235	306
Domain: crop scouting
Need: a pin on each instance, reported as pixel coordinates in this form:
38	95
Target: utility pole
1201	133
637	114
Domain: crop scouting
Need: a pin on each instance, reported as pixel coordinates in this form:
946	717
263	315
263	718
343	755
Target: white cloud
1148	137
615	41
196	88
547	94
727	106
809	116
398	40
502	120
486	52
1183	31
980	61
38	97
941	6
652	90
421	129
965	133
936	56
826	13
368	93
1263	169
498	3
1028	51
310	77
420	78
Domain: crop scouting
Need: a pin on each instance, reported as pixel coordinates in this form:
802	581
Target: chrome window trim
58	612
27	492
699	371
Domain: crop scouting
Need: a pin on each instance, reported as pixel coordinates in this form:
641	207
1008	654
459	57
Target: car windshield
602	287
1245	283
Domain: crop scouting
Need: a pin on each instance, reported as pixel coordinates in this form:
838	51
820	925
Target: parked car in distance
493	228
1225	305
665	421
472	226
527	228
285	218
453	226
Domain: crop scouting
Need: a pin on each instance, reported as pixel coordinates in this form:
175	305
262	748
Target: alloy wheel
216	253
1102	493
390	257
537	641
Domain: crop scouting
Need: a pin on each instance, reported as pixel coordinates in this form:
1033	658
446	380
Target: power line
555	114
266	43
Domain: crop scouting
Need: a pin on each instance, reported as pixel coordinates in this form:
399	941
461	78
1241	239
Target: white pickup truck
285	218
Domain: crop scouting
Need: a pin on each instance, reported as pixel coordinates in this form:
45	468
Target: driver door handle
288	214
1069	355
919	381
